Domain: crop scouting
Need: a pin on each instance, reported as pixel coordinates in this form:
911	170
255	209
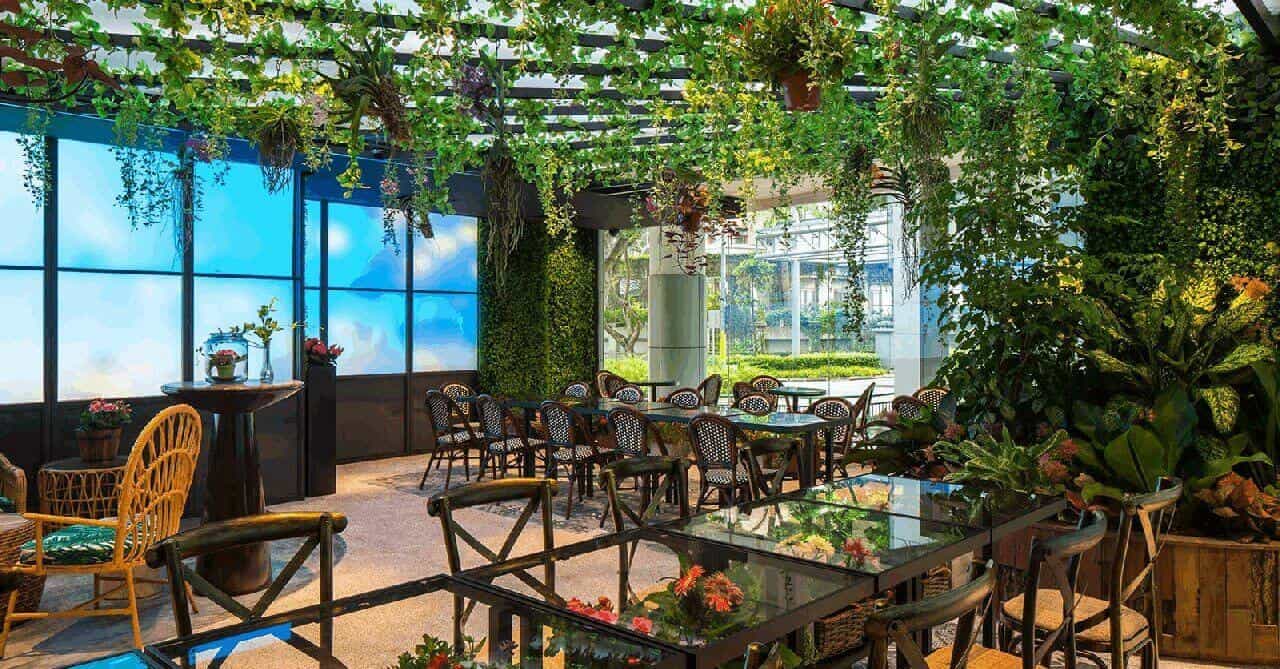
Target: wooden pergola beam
1265	24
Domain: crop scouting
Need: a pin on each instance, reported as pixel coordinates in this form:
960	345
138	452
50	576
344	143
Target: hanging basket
798	92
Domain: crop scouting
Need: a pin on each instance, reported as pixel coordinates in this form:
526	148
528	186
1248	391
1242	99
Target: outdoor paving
391	539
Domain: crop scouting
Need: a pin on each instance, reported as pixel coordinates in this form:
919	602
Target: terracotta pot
98	445
798	94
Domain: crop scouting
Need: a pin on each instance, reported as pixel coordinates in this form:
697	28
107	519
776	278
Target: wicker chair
13	485
448	439
685	398
862	414
629	394
765	448
757	404
933	396
153	492
909	408
500	441
632	433
764	383
709	389
720	463
842	435
458	392
607	383
562	429
578	390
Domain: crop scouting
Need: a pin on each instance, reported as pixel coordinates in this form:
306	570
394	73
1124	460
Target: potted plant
266	328
98	435
796	44
277	128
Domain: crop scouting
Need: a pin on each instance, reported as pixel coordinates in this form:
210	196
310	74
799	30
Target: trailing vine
36	169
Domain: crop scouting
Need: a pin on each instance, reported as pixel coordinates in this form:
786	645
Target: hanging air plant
36	169
148	174
683	205
506	215
277	130
367	83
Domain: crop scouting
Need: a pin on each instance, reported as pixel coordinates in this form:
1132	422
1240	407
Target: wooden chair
862	414
764	383
632	433
760	657
13	485
447	437
571	447
1059	557
1110	626
316	529
709	390
503	437
719	461
153	492
967	605
685	398
607	383
578	390
665	472
537	494
833	408
629	394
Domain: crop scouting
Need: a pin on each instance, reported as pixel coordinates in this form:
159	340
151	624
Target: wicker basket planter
845	630
1220	599
15	531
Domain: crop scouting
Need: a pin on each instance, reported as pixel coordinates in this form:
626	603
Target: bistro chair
862	414
449	439
460	392
1110	626
764	383
153	492
503	437
629	394
757	403
741	388
835	408
535	492
632	432
720	467
664	472
685	398
767	447
709	390
315	529
578	455
933	396
578	390
909	408
607	383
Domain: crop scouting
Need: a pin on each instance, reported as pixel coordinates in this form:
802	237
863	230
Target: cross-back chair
607	383
1113	626
685	398
578	390
535	492
967	605
452	435
153	492
571	447
833	408
666	472
760	656
503	437
719	461
316	529
629	394
709	390
763	383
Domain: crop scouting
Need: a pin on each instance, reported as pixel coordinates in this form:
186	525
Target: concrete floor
391	539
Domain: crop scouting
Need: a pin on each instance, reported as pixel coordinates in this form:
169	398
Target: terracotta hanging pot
98	445
797	92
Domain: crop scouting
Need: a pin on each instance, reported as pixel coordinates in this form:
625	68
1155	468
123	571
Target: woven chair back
157	480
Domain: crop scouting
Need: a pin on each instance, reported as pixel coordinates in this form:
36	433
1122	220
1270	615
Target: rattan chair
629	394
933	396
910	408
607	383
685	398
757	404
741	388
578	390
862	414
571	447
720	464
13	484
537	494
633	433
460	392
767	478
315	529
664	474
503	438
709	389
451	435
833	408
764	383
153	492
1110	626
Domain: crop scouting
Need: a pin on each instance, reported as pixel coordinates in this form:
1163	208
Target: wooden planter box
1218	599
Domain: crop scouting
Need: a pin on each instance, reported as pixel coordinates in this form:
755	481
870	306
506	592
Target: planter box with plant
98	435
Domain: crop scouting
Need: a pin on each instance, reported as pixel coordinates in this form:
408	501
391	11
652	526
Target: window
444	332
23	220
241	228
447	261
358	256
21	298
370	325
221	303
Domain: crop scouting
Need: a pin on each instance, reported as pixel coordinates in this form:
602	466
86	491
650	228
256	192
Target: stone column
677	317
795	308
918	348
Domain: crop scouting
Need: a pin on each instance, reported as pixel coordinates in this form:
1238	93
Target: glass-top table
794	393
702	599
893	548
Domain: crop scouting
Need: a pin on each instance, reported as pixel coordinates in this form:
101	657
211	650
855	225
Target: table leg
529	462
499	636
234	490
830	452
989	623
807	456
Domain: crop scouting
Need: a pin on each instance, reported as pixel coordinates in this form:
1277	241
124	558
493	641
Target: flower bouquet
586	648
98	435
319	353
699	606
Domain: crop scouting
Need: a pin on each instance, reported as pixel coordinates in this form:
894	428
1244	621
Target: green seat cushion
74	544
7	505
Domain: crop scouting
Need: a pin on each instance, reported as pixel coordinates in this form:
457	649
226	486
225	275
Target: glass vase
268	375
226	358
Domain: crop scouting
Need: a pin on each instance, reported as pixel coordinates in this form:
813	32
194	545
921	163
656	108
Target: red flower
720	593
438	661
604	603
685	583
1067	450
642	625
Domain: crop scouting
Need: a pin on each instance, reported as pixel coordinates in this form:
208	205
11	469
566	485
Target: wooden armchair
667	471
153	493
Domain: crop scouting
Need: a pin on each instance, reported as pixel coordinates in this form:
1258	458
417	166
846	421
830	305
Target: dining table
792	394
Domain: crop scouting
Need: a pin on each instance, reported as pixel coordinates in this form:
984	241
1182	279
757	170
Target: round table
233	486
73	487
794	393
653	386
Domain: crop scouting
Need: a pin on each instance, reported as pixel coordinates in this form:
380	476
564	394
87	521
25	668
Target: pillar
677	317
918	348
795	307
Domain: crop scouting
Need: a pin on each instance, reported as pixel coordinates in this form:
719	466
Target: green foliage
905	446
629	367
781	37
805	366
571	303
1004	464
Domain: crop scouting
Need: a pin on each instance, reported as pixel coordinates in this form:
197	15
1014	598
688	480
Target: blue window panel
93	230
22	374
311	313
23	220
311	246
241	228
370	327
447	261
358	258
444	332
119	335
222	303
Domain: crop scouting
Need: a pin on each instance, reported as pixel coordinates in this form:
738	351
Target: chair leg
191	597
8	620
568	503
133	608
448	472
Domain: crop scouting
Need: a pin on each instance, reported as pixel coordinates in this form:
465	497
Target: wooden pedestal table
233	487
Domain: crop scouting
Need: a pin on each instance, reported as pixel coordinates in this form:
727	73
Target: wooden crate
1218	599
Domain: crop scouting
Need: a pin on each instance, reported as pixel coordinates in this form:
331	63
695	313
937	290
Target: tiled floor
390	539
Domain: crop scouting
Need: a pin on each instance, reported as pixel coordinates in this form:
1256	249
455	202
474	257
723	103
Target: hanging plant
506	212
852	199
147	173
682	203
277	129
37	173
798	44
368	85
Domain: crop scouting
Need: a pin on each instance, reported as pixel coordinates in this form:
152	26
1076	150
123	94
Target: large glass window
22	374
370	325
447	261
444	332
359	256
222	303
242	228
23	220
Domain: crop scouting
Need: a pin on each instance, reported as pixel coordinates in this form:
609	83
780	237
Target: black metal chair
449	437
503	437
563	428
317	529
629	394
664	472
833	408
719	461
1110	626
685	398
537	493
578	390
709	390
